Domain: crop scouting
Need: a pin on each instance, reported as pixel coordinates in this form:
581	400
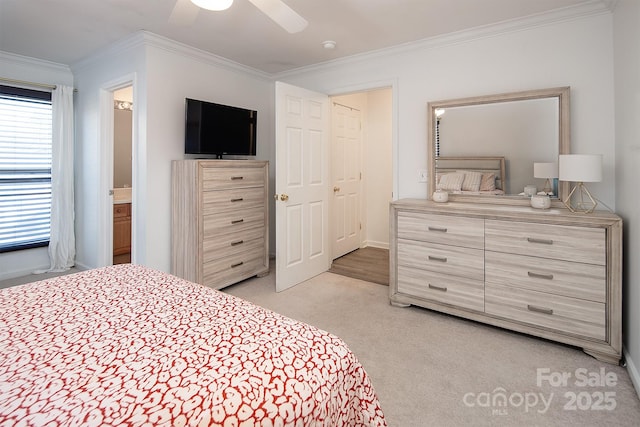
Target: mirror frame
564	140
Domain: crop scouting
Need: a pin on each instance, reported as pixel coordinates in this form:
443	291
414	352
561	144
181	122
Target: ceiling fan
185	12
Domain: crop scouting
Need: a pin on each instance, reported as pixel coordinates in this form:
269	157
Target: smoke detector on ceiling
329	44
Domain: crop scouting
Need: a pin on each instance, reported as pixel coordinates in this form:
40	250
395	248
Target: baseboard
81	266
632	369
374	244
24	272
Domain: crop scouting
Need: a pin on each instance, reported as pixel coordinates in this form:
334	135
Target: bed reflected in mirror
515	129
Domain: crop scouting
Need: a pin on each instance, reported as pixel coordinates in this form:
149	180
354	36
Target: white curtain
62	243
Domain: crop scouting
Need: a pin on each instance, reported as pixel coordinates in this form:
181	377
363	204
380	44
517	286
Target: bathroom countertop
121	195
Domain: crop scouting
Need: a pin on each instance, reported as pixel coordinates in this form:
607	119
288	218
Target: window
25	168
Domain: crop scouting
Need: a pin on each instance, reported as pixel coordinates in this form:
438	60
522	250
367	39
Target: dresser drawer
232	222
227	270
225	244
237	246
441	288
571	279
233	177
445	259
558	313
233	199
448	230
579	244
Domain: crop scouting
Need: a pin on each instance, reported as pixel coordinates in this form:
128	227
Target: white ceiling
66	31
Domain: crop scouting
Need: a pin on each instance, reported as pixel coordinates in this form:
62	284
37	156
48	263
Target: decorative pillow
471	180
488	182
451	182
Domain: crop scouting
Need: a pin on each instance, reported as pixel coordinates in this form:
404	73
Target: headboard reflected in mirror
481	176
522	128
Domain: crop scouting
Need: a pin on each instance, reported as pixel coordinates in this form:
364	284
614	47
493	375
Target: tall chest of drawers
552	273
219	220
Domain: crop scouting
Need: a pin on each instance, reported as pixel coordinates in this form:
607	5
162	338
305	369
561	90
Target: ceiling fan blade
282	14
184	13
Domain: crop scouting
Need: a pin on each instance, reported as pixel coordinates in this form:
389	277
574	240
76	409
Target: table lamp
580	168
548	171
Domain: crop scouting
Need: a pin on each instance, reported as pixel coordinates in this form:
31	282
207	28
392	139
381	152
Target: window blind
25	168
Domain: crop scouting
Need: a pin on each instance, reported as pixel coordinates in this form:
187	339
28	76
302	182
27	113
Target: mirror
523	128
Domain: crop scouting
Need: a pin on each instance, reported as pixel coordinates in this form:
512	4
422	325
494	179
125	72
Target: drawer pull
440	229
539	309
234	178
542	241
540	275
237	221
237	200
438	288
437	258
237	264
236	243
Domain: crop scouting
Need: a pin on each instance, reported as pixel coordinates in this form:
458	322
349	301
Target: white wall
16	67
574	53
171	78
164	74
378	166
118	65
627	143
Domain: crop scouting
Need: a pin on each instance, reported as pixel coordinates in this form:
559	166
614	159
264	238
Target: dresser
220	232
549	273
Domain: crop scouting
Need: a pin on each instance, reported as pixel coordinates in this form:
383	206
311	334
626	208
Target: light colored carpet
423	363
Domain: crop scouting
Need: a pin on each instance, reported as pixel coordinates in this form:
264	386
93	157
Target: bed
129	345
471	175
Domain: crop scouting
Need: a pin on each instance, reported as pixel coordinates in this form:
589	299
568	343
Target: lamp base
585	204
547	187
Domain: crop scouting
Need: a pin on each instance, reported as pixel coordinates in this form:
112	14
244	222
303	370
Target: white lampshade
545	170
580	167
213	4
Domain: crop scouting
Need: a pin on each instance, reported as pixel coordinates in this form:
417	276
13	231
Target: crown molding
566	14
208	58
148	39
116	48
34	62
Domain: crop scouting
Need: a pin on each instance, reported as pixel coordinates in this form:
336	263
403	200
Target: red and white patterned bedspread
128	345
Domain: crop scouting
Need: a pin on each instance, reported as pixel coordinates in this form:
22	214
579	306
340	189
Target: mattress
129	345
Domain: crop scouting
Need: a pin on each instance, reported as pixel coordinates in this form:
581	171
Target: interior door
346	172
302	185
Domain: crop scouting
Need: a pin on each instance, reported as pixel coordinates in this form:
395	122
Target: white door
346	172
302	185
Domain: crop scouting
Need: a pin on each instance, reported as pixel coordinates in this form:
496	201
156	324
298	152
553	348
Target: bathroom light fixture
580	168
548	171
216	5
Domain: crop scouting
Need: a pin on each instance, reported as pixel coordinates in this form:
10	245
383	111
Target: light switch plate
422	175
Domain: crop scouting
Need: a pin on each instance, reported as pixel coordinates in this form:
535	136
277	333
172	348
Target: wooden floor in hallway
370	264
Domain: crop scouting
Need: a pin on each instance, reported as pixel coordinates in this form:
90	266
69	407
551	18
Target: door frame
106	143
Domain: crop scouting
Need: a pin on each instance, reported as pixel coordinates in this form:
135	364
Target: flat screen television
216	129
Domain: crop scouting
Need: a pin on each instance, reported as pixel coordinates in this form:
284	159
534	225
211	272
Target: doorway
303	156
122	173
362	153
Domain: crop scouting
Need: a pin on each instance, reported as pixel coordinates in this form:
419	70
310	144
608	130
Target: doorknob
282	197
336	189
